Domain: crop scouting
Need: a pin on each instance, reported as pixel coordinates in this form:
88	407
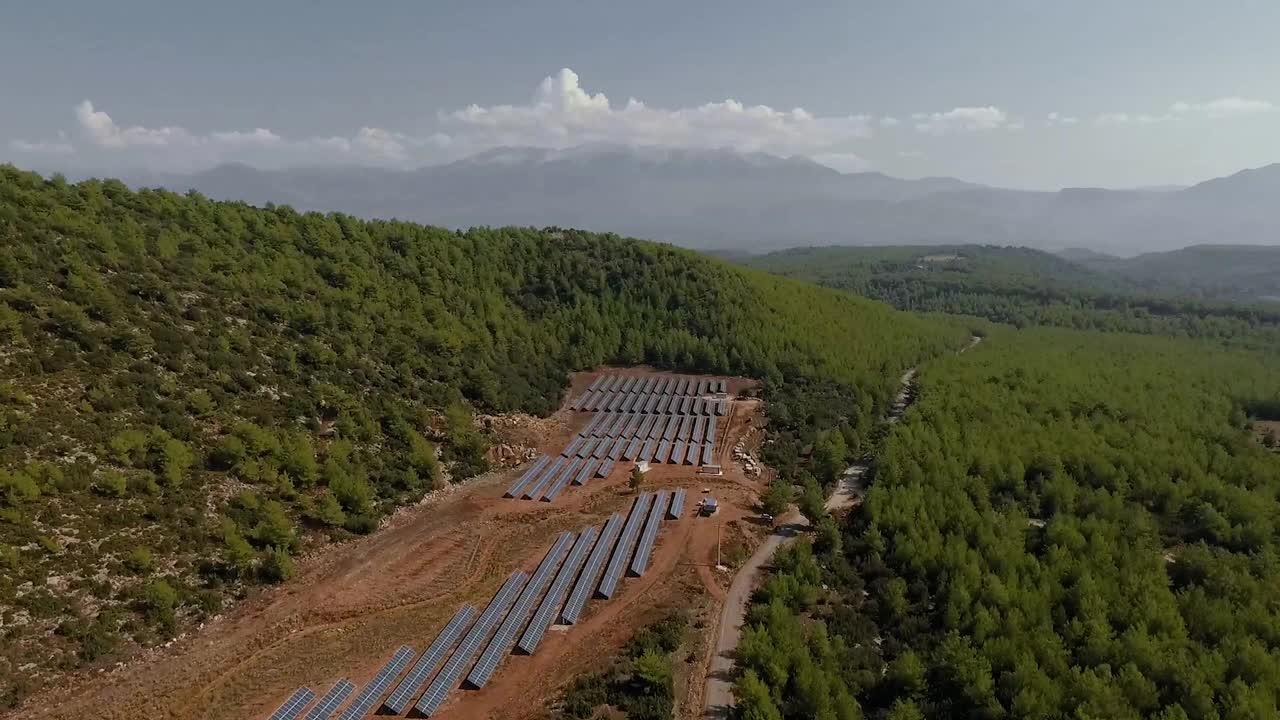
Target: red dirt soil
349	608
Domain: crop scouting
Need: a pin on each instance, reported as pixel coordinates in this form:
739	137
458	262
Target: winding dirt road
717	696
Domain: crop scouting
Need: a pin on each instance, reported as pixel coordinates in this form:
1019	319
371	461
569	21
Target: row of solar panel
630	425
567	560
594	401
659	385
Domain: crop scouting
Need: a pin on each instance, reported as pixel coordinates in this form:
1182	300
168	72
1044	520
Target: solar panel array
527	476
627	541
677	504
545	613
502	641
404	692
573	561
452	671
331	700
294	706
640	562
369	696
632	393
591	572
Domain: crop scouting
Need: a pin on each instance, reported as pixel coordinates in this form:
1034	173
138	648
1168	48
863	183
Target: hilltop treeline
192	391
1066	524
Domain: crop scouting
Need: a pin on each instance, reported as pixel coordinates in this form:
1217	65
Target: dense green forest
1065	524
1024	287
192	392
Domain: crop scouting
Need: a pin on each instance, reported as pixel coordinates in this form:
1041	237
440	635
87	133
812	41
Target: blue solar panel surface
294	706
591	571
528	475
331	700
626	543
555	596
585	472
644	549
368	698
677	504
404	692
452	671
502	640
536	487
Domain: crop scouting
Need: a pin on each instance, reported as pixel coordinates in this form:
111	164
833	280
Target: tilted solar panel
647	451
646	386
595	384
707	455
616	401
663	452
598	402
646	426
633	449
722	406
702	388
452	671
527	476
633	426
331	700
602	448
686	406
591	426
686	429
502	640
293	707
399	699
699	427
626	543
368	698
605	468
677	504
535	488
630	384
586	471
572	448
567	473
651	403
673	424
677	452
649	535
711	430
591	571
611	383
692	452
614	425
619	444
588	447
545	613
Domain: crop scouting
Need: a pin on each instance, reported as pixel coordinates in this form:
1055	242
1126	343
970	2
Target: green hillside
192	392
1024	287
1066	524
1228	272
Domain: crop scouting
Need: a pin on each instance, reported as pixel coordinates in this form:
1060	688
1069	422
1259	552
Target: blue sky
1020	93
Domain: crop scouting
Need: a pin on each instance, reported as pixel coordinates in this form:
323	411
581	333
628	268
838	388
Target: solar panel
605	468
614	425
470	645
637	403
677	452
502	641
708	407
630	384
683	387
622	553
599	401
595	384
527	475
619	444
545	613
655	429
721	407
647	452
404	692
585	472
369	696
669	431
645	387
591	426
646	426
686	428
722	386
616	401
572	448
663	451
536	487
651	403
711	430
686	406
331	700
567	473
588	445
706	454
692	452
611	383
640	562
602	448
699	427
294	706
591	571
633	449
702	388
633	426
677	504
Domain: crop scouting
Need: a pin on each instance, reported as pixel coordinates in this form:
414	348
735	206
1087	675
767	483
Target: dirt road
717	698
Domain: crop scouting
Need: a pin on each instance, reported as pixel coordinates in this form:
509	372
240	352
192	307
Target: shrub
276	565
139	561
112	483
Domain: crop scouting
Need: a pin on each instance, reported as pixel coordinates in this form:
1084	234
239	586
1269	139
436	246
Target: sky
1014	93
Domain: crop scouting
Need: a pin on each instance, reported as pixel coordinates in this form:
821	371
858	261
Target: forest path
717	695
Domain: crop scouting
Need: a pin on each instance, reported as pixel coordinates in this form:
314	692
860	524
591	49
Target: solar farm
471	647
654	420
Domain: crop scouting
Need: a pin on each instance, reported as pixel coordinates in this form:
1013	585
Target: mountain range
720	199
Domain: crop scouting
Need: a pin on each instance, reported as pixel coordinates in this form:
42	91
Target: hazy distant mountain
753	201
1233	272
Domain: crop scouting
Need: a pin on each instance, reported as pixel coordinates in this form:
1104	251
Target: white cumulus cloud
964	119
1227	107
42	147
